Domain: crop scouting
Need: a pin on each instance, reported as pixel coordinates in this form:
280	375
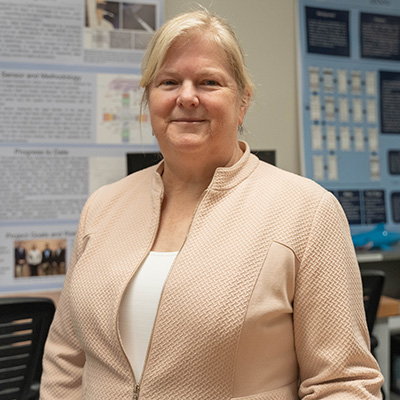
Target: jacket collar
224	177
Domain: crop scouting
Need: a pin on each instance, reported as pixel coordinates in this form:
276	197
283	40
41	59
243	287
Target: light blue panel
345	148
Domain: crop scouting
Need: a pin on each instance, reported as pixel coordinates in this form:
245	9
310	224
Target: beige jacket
263	301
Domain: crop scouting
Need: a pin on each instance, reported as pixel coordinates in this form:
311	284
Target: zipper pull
136	392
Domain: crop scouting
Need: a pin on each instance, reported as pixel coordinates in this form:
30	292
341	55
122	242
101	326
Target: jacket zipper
136	388
136	391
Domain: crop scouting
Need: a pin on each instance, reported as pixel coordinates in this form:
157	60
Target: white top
139	307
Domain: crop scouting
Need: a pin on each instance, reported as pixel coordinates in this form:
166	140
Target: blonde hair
187	25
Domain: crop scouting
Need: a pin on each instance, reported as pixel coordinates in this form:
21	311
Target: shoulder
288	185
127	186
113	199
294	205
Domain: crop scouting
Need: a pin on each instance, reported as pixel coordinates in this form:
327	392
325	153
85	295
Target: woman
34	258
212	275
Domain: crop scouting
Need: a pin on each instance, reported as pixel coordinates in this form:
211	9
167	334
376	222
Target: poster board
69	109
349	102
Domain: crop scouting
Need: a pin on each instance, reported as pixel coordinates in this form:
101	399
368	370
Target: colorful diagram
120	119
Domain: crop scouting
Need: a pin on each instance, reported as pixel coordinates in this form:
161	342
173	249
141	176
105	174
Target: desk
365	256
387	324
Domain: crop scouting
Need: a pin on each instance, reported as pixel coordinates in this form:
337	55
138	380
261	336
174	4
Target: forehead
203	49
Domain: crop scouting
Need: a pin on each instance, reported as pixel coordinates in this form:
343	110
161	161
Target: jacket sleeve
63	359
331	337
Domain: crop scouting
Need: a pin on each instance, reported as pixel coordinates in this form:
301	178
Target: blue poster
349	106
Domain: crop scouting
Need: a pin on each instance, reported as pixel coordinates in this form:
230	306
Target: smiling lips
188	120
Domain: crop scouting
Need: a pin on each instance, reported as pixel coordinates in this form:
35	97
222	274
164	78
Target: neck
185	183
193	175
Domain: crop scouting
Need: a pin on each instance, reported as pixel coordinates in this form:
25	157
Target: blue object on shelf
379	238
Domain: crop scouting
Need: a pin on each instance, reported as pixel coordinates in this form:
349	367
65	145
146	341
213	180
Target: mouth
188	120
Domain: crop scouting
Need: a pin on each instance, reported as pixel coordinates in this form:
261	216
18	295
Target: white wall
266	29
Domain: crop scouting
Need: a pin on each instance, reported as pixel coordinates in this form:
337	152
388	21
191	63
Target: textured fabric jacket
263	302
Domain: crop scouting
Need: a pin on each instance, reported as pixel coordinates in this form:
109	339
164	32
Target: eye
168	82
210	82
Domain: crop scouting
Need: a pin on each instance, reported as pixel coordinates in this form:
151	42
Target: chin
191	141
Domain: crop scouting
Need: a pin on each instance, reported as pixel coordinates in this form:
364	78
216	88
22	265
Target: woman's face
194	102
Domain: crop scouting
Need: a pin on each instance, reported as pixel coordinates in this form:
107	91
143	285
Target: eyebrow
203	72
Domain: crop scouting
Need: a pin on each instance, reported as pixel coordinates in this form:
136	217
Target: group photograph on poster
39	257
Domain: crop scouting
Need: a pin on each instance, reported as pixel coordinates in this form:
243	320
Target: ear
244	104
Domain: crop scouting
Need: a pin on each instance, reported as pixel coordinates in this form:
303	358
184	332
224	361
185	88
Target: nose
187	96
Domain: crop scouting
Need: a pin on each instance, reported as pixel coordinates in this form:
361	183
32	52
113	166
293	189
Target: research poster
69	112
349	74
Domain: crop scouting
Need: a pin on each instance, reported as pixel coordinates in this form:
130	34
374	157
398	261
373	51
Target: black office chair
372	281
24	325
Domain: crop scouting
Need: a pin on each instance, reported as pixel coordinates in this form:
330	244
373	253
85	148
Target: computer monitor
138	161
266	155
